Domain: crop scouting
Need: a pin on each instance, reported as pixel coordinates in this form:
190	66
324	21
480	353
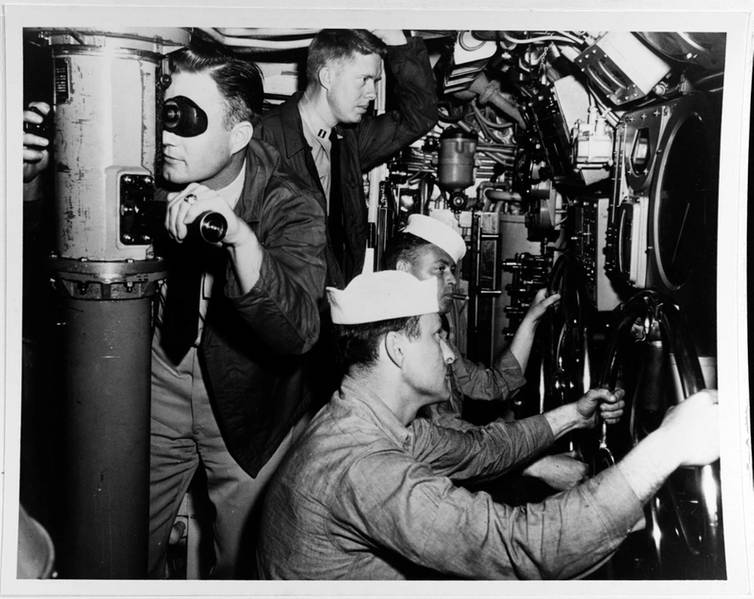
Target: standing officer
327	138
235	316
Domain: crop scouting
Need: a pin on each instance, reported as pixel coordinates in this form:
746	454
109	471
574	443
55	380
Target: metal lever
210	226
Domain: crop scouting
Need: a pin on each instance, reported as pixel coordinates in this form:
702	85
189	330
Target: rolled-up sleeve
403	506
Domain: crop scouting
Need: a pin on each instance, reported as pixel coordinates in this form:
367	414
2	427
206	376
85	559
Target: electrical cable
483	128
606	112
572	36
537	39
495	157
486	121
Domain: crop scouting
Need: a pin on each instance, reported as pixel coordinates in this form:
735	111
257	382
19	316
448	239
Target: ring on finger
190	199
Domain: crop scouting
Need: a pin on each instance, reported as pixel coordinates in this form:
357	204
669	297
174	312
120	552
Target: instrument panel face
668	160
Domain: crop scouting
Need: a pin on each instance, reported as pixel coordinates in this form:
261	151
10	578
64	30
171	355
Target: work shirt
361	496
475	381
478	382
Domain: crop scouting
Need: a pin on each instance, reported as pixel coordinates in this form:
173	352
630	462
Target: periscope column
106	275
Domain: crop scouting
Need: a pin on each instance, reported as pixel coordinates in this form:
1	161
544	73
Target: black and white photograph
352	300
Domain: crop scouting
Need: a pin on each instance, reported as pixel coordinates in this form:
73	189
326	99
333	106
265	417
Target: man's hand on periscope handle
245	251
35	153
195	199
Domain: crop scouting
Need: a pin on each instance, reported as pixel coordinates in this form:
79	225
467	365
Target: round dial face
682	203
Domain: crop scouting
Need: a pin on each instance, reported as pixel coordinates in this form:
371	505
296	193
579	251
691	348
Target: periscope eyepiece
183	117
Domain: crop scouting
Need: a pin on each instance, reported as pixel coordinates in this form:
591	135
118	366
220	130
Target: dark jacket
252	344
363	146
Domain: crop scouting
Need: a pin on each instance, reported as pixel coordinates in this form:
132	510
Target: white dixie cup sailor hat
382	295
441	229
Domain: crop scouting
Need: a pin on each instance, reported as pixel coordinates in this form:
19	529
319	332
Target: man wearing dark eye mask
234	316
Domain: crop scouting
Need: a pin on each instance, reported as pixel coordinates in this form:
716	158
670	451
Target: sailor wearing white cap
393	315
369	491
381	296
429	247
432	246
441	229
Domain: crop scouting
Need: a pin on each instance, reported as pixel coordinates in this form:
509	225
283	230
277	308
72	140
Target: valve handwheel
684	519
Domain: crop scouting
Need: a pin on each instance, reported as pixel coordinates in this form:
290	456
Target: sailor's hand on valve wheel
540	305
186	205
691	429
609	403
35	153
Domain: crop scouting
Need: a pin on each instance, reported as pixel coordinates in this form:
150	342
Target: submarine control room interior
585	163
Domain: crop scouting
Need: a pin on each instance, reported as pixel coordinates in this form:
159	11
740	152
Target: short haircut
358	344
403	246
337	44
239	81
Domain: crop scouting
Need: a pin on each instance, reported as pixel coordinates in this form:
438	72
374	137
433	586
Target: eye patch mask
183	117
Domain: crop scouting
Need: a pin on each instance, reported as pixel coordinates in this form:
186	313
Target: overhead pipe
260	44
